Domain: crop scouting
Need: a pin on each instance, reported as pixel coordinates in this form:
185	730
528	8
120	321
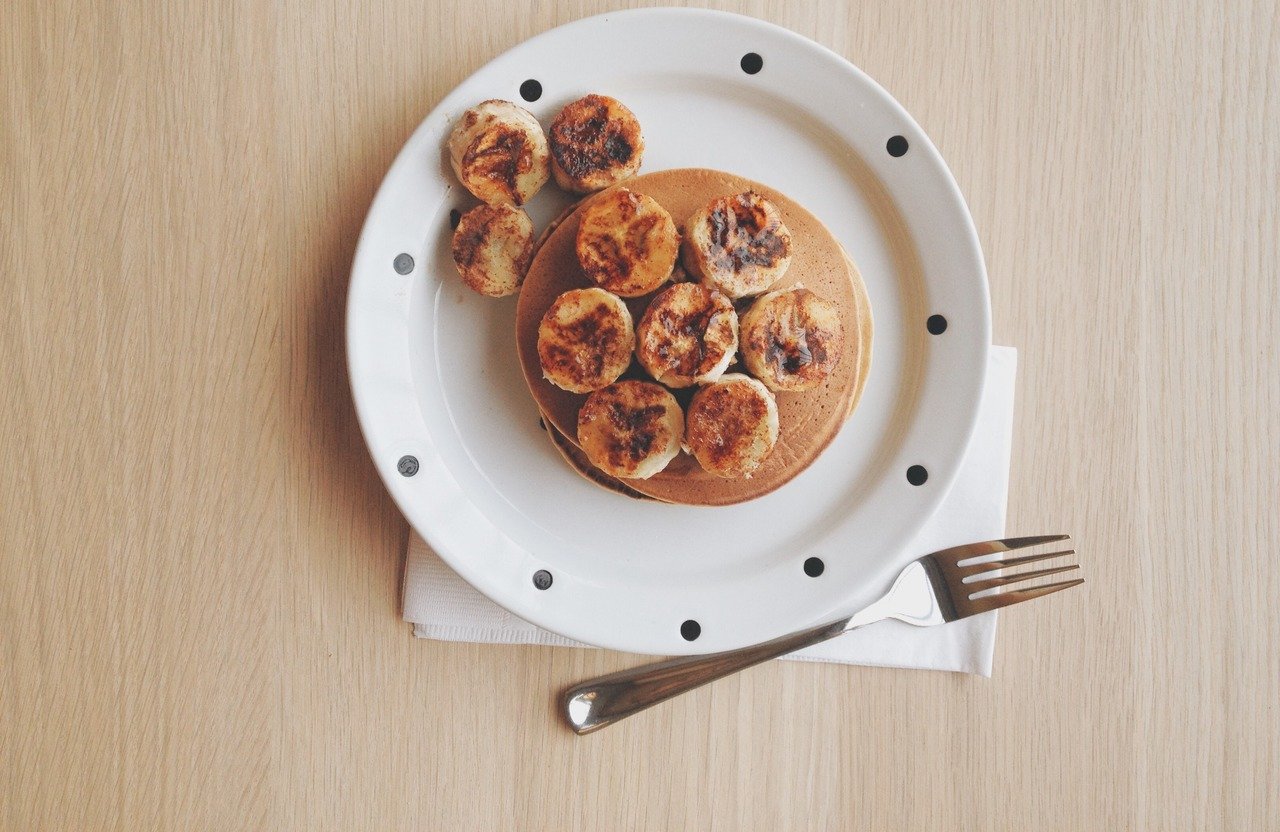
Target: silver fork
932	590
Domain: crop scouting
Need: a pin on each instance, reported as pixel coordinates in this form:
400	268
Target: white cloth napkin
441	605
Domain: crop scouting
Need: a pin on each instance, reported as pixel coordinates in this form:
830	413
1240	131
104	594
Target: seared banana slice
732	426
492	247
687	336
627	243
595	143
631	429
585	340
737	244
792	339
500	153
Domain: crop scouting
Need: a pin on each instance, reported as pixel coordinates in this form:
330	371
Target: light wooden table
199	615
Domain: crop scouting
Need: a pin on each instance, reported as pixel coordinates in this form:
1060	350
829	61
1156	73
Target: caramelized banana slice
631	429
499	153
627	243
732	426
737	244
585	340
492	247
687	336
792	339
595	143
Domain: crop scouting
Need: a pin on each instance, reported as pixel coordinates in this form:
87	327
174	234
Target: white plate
435	374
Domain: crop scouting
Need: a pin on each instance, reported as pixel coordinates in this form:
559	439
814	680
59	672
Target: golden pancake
809	420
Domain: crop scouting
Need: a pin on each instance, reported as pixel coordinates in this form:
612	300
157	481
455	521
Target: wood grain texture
199	570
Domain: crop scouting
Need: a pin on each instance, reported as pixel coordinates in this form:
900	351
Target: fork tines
965	577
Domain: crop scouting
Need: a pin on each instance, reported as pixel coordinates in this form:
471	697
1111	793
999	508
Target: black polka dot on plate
936	324
690	630
751	63
455	217
917	475
897	146
531	90
813	567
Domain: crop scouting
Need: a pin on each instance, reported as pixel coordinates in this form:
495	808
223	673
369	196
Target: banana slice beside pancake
631	429
737	244
500	153
492	247
595	142
792	339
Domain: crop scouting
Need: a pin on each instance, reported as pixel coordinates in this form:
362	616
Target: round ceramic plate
455	434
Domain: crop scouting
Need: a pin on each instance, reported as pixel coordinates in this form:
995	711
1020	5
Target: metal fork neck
911	599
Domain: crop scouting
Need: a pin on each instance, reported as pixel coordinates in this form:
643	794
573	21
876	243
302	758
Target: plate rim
386	465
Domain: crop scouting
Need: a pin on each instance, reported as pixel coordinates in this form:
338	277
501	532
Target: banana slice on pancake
737	244
631	429
585	340
627	243
792	339
732	426
500	153
595	142
492	247
687	336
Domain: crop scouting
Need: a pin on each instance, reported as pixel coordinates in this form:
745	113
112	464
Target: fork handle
607	699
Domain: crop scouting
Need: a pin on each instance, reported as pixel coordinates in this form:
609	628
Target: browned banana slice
585	340
687	336
732	426
737	244
500	153
792	339
492	247
631	429
627	243
595	143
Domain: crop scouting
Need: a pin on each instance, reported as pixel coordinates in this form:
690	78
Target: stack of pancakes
808	420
